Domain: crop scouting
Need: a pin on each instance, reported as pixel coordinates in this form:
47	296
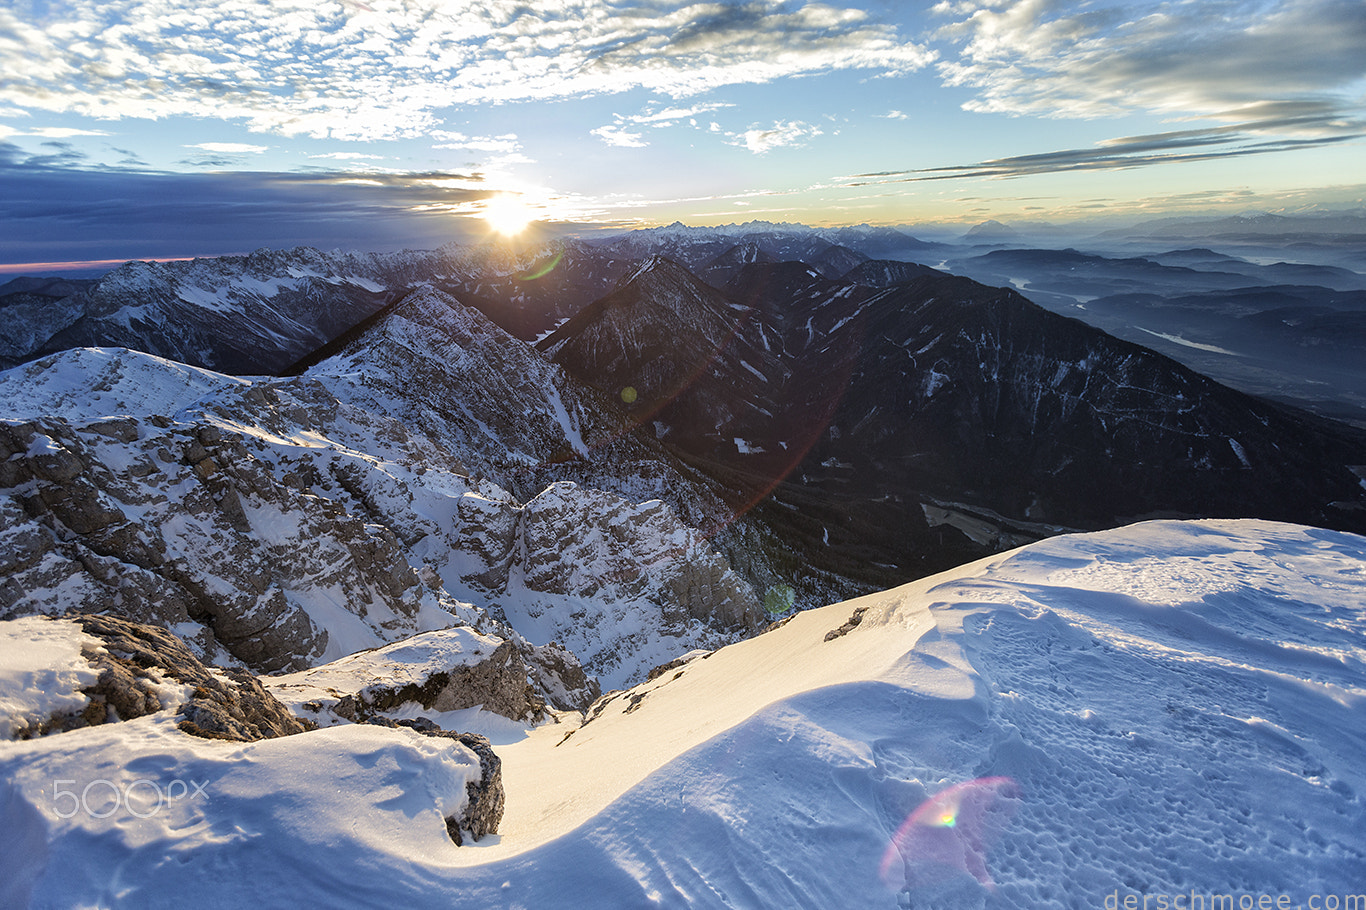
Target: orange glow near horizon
28	268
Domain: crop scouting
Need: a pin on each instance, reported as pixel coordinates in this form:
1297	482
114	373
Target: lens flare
950	833
542	270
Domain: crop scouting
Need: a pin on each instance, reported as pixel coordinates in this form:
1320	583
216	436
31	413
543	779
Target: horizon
153	130
537	234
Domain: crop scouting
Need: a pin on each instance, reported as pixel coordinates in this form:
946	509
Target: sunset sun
507	214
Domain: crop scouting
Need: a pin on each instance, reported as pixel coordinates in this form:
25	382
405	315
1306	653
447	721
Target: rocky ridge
278	526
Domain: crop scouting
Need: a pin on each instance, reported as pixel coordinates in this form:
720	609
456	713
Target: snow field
1176	706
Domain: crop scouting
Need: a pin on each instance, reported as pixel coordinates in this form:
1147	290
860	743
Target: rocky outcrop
143	669
484	810
280	523
557	673
586	543
497	683
438	672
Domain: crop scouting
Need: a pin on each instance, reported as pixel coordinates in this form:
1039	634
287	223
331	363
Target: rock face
485	809
678	354
183	524
498	683
279	525
578	545
558	673
262	312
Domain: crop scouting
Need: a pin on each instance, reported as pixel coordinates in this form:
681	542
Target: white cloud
1222	59
783	133
505	143
653	116
616	135
379	70
347	156
62	132
229	148
895	115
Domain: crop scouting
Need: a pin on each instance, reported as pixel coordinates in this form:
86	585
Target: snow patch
42	671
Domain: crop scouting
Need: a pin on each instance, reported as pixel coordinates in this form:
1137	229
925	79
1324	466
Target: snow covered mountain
443	544
815	435
281	523
1172	708
262	312
678	353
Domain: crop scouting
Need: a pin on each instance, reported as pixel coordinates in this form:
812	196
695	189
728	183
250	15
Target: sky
159	129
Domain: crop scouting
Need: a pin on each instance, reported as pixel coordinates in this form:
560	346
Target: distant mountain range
821	422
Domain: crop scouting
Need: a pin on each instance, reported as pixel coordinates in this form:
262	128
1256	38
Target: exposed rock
484	811
144	669
264	506
849	625
175	543
558	674
589	543
677	663
498	683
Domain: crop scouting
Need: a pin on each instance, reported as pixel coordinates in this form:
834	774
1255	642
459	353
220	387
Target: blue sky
150	128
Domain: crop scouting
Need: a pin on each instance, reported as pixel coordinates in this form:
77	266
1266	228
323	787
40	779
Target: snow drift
1176	707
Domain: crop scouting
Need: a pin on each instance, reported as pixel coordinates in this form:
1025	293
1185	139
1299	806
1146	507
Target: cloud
229	148
894	115
49	212
130	158
507	142
60	132
623	138
783	133
359	71
347	156
63	154
654	116
1235	141
1223	59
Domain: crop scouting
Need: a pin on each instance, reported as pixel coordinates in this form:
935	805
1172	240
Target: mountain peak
991	230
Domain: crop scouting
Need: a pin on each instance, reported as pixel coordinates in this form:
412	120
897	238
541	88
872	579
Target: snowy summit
1169	708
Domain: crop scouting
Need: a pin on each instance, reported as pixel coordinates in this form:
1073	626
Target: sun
508	214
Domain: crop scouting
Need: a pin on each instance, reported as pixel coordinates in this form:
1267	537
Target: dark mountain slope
975	393
939	418
676	352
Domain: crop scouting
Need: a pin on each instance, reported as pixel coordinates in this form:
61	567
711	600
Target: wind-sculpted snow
1168	708
87	384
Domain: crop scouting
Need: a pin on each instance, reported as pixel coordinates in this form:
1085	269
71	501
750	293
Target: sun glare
508	214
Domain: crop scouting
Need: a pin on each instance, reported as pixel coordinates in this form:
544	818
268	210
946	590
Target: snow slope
1169	707
41	672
